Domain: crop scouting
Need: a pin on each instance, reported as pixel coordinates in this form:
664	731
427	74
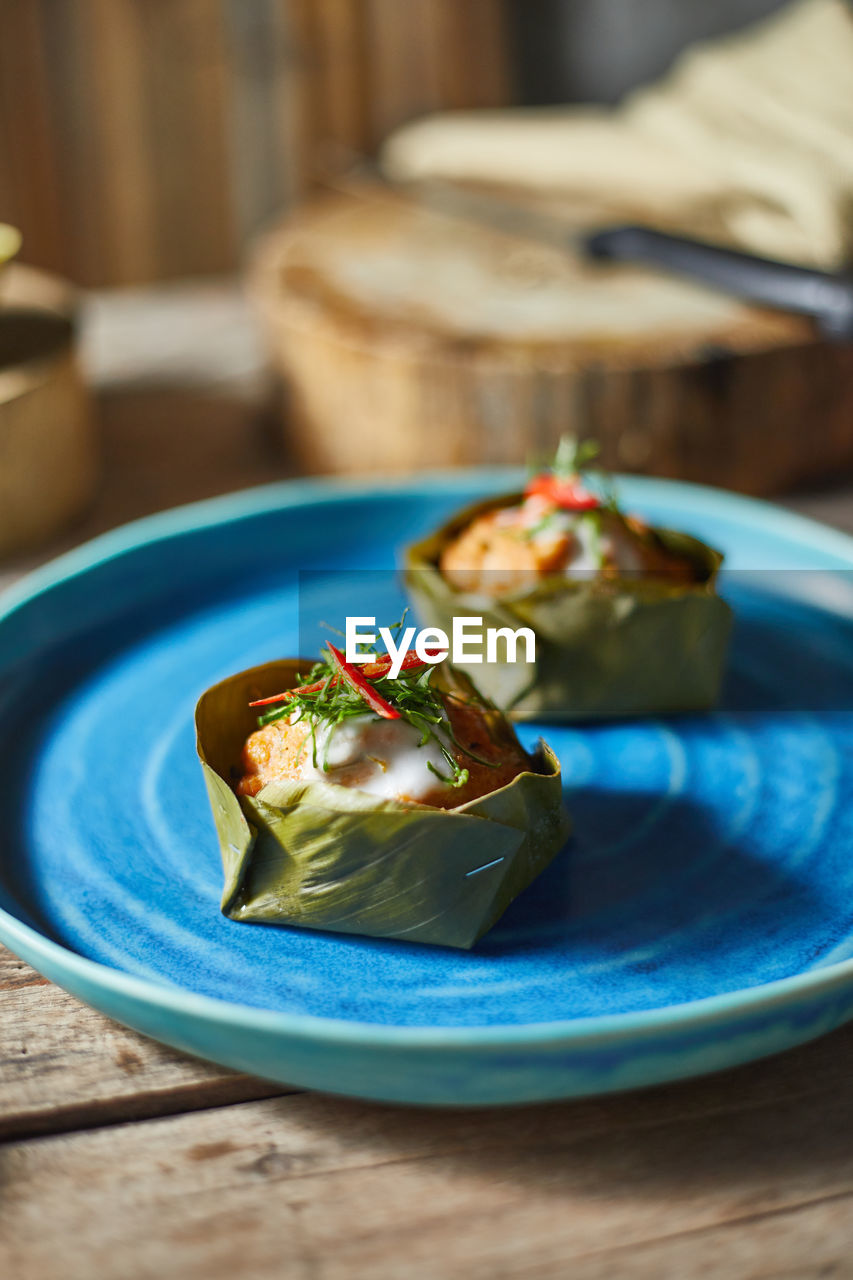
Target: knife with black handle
826	298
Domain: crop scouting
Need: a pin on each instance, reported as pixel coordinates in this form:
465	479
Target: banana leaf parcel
606	647
324	856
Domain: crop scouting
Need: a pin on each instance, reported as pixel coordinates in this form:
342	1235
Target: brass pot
48	464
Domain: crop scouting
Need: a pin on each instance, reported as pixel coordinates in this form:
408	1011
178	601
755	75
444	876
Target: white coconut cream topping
382	757
590	544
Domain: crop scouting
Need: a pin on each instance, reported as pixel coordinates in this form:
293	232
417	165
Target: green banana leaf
605	648
324	856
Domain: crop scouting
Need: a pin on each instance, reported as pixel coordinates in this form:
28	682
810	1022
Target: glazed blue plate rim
61	961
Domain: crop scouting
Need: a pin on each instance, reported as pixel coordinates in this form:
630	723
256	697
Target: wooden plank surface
64	1066
687	1180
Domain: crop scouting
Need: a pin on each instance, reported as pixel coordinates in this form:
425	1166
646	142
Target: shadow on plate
647	875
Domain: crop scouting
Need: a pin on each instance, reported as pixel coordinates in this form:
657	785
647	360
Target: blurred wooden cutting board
409	339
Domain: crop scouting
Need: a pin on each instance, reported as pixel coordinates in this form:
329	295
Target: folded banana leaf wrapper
323	856
606	647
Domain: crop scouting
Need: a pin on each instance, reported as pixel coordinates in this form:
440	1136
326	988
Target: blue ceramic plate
701	916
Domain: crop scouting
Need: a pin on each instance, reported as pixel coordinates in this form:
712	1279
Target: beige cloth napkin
749	137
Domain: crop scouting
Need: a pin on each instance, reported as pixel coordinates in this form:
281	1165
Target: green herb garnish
326	698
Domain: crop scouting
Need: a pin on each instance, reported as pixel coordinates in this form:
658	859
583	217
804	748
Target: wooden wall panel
186	91
142	139
29	159
265	121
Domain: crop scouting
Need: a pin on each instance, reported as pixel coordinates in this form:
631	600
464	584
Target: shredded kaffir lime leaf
411	694
573	456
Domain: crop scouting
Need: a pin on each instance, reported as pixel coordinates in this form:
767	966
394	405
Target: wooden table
122	1159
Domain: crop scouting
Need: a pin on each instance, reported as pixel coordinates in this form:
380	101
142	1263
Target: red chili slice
292	693
372	670
570	495
354	678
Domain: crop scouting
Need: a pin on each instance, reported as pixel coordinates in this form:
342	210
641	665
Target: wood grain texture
264	121
15	973
370	65
30	163
142	139
64	1066
669	1182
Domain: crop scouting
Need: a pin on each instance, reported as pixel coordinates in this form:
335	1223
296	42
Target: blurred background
143	140
220	302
